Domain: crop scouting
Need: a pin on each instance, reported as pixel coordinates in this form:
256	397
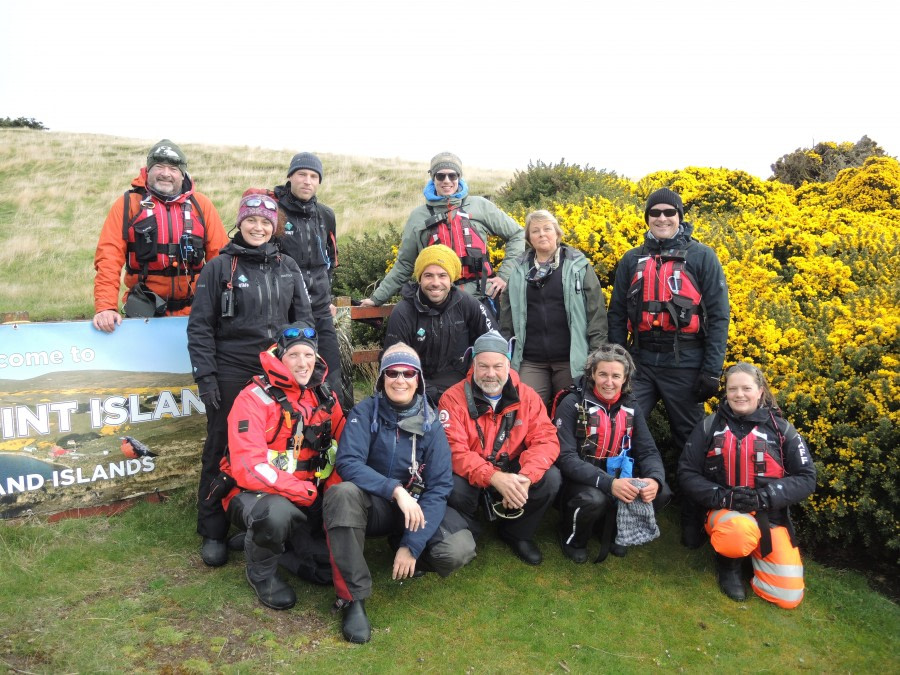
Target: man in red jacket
163	232
503	447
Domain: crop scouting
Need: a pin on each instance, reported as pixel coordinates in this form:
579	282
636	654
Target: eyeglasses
393	374
291	333
656	213
256	201
441	177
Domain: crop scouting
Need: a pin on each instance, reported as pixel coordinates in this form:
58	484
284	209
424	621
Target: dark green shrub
823	162
27	122
542	184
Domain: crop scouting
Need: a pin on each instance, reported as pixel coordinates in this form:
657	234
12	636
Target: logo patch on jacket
243	426
444	417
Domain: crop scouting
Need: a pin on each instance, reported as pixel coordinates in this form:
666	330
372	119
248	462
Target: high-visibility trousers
778	577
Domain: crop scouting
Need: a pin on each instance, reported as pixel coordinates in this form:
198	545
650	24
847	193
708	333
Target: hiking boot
728	571
236	542
273	591
618	550
576	554
214	552
356	627
526	550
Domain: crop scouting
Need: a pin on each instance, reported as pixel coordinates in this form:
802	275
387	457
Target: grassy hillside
56	189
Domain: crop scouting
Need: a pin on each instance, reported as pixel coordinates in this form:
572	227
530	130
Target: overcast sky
630	86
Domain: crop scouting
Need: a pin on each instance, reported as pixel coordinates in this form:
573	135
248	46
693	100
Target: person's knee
464	497
272	519
344	506
549	485
454	551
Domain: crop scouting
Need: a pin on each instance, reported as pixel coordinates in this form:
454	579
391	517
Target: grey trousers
352	514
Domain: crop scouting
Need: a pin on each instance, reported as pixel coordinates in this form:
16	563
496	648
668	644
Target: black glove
726	499
748	499
706	386
209	391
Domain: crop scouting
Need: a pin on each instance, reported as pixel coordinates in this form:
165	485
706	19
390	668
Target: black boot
692	520
356	627
214	552
574	551
728	571
262	574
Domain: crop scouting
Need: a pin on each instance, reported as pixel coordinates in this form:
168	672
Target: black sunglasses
656	213
441	177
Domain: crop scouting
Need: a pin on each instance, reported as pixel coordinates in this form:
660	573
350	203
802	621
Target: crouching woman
280	430
606	456
394	461
747	464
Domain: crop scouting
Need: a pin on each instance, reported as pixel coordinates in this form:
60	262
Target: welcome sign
87	418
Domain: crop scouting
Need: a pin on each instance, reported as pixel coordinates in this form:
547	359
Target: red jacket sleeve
466	452
253	418
216	237
541	441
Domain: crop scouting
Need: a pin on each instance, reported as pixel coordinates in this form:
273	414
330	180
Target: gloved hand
726	498
748	499
209	391
706	386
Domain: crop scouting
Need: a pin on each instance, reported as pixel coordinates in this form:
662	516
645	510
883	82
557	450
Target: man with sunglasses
503	446
453	217
437	319
310	238
670	306
163	232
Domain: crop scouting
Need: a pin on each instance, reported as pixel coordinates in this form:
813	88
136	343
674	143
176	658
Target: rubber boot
692	520
728	571
262	574
356	627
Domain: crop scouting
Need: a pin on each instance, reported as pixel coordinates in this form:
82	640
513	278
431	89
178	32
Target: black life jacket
164	238
457	231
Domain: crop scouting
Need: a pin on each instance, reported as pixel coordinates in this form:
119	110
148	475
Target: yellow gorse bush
814	282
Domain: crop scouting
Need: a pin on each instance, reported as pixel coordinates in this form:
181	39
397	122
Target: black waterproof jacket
440	335
647	460
699	481
268	292
310	239
703	264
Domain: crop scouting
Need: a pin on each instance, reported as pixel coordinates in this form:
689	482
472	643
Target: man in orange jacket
163	232
503	447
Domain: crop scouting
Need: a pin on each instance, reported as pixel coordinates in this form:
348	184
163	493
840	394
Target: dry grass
56	189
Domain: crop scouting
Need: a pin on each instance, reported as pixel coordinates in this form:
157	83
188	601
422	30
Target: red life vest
754	457
664	296
456	231
604	435
306	432
164	238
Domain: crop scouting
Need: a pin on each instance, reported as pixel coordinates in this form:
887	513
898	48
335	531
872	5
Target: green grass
130	593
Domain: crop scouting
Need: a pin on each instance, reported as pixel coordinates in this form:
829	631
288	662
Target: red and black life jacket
664	296
310	435
739	463
164	238
457	231
600	435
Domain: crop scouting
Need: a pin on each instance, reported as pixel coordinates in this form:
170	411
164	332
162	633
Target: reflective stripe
574	526
766	589
724	515
767	567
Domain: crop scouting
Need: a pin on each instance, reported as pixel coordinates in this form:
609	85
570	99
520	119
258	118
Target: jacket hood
279	376
264	253
410	292
681	239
